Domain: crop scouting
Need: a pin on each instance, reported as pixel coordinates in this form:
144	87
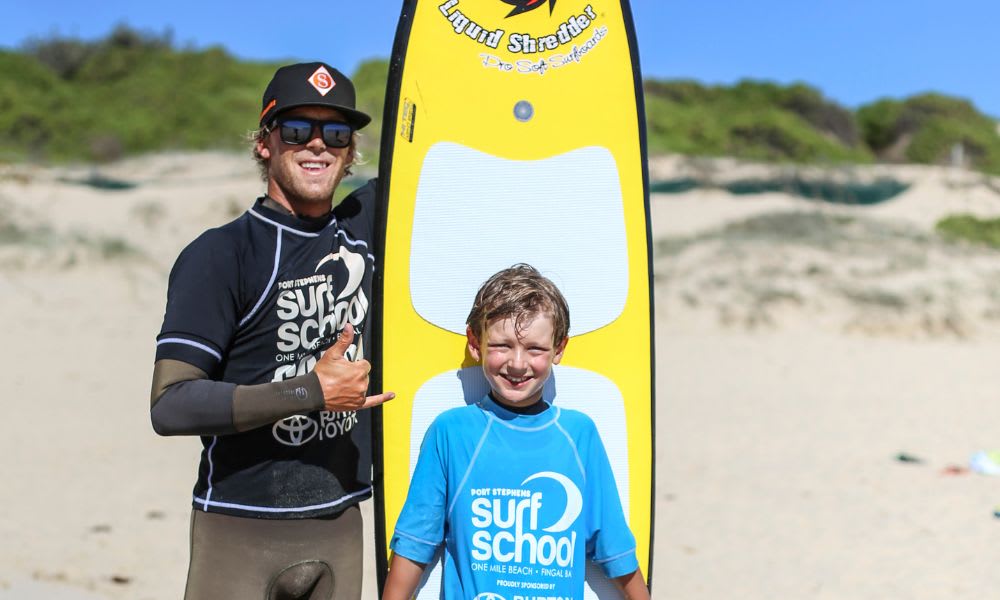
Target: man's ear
262	150
473	344
558	351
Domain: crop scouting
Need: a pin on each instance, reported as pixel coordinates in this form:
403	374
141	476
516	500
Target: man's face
304	176
517	362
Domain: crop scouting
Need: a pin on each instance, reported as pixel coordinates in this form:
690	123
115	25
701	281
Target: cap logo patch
322	80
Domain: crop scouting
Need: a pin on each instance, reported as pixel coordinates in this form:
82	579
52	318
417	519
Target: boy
520	493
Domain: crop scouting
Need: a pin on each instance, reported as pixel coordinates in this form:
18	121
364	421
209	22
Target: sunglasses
299	130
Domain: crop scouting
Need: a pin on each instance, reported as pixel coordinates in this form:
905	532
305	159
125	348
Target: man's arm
404	576
184	401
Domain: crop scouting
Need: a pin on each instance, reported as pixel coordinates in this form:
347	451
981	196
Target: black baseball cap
310	84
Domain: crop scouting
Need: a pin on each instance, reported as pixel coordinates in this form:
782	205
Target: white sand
777	428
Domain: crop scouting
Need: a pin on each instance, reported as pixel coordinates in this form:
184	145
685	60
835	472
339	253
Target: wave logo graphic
489	596
574	500
295	430
355	264
523	6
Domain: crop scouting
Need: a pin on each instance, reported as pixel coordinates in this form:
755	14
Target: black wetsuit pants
237	558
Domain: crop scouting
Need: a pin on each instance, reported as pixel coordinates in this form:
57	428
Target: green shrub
969	228
63	98
927	127
752	120
370	81
878	123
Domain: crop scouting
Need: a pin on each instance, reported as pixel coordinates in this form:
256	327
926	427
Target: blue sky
853	51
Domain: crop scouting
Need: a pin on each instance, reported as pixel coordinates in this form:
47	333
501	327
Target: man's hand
344	382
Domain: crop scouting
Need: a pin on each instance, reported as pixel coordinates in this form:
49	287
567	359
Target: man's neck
281	205
302	209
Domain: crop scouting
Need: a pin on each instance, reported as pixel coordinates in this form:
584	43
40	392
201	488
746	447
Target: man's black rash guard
251	306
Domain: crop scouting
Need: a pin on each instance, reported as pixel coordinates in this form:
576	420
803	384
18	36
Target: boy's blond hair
520	293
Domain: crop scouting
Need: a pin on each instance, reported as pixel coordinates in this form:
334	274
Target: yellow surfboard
514	132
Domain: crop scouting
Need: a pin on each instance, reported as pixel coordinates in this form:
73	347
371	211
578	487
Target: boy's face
517	363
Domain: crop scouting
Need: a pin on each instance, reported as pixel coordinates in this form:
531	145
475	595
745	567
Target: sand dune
800	348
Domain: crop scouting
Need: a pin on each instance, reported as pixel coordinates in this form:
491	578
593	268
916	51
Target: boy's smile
517	363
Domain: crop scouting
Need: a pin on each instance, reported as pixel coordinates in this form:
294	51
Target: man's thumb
344	340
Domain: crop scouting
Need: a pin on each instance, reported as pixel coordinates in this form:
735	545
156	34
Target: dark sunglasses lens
337	135
295	132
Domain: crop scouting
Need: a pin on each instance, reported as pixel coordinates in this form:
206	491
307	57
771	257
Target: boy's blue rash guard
519	501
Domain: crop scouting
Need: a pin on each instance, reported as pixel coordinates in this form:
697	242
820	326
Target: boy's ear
473	344
558	351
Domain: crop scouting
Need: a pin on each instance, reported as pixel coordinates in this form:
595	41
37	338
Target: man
261	353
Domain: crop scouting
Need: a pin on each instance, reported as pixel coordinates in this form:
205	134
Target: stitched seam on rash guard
468	470
554	421
355	242
416	539
270	283
291	509
211	471
601	561
576	453
284	227
190	343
